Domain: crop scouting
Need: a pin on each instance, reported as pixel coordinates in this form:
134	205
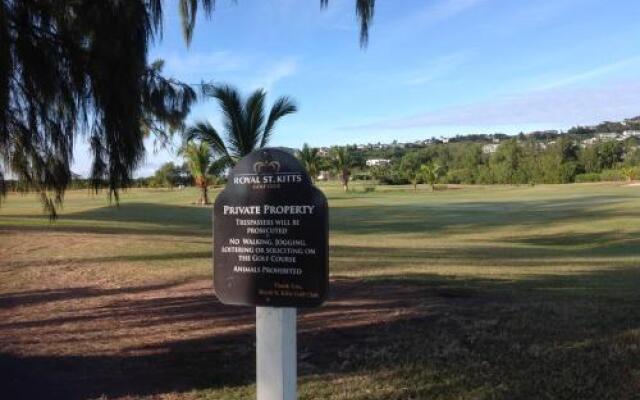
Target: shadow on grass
136	218
429	217
110	259
613	249
31	297
473	216
421	336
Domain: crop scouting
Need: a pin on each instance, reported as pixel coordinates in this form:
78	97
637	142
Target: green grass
469	293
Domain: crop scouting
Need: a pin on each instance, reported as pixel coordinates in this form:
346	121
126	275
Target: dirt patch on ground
109	316
86	341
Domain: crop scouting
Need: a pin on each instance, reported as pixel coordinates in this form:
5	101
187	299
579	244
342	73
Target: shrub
612	175
590	177
457	176
369	189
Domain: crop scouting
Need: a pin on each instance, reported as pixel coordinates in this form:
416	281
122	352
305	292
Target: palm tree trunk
204	196
345	180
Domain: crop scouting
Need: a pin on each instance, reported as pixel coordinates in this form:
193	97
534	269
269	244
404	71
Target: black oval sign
270	234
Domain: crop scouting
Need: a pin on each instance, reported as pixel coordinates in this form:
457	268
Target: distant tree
245	126
559	162
580	130
610	153
430	174
469	159
590	160
198	158
343	163
310	160
506	162
216	170
168	175
410	167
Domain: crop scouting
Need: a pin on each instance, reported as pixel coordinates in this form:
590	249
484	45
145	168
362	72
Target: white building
629	134
323	176
376	162
490	148
606	135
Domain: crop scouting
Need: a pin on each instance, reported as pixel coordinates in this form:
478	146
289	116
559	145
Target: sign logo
266	167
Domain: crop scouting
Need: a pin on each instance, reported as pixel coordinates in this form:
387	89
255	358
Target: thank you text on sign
270	234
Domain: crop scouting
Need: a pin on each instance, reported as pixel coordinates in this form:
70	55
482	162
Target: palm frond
283	106
188	13
235	130
205	132
166	102
364	11
197	156
254	120
217	167
310	160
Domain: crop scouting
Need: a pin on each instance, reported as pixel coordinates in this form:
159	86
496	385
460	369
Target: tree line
516	162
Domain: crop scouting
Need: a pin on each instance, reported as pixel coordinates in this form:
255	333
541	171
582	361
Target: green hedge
612	175
590	177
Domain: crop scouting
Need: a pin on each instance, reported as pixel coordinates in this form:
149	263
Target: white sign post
271	251
276	369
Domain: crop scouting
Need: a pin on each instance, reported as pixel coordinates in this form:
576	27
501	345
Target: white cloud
274	73
431	15
203	65
558	106
593	73
439	68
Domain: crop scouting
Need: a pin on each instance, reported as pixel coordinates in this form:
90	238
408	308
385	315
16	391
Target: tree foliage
79	67
246	127
310	160
343	162
170	175
431	173
198	158
515	162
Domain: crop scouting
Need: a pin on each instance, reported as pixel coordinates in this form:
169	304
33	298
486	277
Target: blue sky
432	67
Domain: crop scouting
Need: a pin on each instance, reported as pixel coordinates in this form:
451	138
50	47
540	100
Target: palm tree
430	174
245	126
198	157
343	162
413	176
311	160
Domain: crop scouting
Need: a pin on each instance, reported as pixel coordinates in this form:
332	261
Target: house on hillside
323	176
490	148
606	135
377	162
